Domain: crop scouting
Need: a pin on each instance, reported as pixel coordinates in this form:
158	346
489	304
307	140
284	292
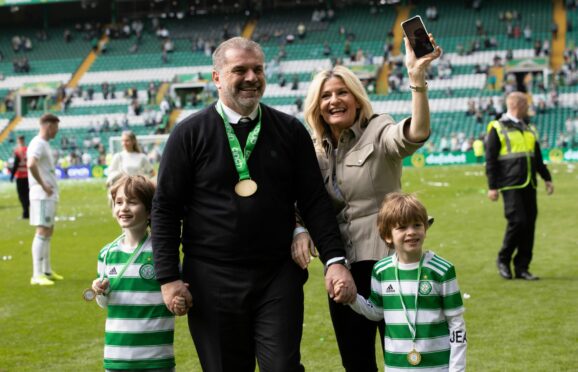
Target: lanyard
412	326
240	157
131	259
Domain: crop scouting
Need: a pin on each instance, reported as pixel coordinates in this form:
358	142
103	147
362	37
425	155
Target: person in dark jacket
20	173
513	157
231	176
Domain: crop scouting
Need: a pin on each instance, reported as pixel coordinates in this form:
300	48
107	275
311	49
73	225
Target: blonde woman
360	156
130	161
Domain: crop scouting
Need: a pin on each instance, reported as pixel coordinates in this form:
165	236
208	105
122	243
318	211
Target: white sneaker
40	280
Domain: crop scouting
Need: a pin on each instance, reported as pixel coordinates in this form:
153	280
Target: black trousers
23	195
245	312
521	211
356	334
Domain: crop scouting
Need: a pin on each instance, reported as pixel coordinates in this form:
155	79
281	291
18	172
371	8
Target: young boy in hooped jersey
139	328
416	293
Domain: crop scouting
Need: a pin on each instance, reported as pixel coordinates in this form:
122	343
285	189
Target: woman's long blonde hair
313	116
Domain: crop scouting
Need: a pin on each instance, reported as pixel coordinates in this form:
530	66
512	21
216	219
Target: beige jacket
367	167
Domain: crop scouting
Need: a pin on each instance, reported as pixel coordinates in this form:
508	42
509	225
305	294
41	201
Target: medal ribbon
131	259
240	157
412	326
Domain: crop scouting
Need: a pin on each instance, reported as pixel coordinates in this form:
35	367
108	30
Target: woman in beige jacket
360	156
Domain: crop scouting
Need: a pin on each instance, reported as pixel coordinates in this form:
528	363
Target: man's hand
549	187
47	189
173	289
339	284
493	195
302	249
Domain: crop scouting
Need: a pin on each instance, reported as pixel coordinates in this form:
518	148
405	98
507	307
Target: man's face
52	129
241	80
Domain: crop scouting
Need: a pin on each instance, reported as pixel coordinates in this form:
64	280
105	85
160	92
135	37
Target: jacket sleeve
366	308
540	166
168	206
14	167
458	343
313	201
492	152
114	171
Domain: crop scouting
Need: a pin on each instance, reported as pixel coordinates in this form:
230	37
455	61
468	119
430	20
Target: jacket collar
355	131
510	121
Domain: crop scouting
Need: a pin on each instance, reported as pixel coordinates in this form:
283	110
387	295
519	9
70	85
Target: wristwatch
342	261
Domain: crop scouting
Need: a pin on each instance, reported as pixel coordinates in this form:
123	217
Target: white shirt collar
233	117
512	118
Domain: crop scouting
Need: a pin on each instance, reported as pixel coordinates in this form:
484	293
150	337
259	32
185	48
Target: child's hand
337	287
179	305
100	287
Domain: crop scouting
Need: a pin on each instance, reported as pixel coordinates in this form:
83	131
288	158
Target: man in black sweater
228	192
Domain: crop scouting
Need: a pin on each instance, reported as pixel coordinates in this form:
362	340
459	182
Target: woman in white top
130	160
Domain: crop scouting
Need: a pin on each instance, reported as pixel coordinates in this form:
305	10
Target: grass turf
512	325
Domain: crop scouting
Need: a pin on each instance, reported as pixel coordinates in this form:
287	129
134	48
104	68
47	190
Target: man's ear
216	80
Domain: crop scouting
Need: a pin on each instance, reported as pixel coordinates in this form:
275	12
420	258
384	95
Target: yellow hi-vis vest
515	146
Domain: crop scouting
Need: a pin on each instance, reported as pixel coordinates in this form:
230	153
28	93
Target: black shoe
526	275
504	270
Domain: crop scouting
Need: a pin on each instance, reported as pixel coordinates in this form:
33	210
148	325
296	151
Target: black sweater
196	188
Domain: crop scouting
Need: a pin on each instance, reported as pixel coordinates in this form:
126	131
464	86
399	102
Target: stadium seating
367	27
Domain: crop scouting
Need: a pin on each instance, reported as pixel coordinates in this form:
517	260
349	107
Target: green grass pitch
512	325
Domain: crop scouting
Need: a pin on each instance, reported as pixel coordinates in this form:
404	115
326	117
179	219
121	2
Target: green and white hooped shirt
438	299
139	330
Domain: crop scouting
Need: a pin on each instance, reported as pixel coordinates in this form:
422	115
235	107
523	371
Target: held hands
100	287
179	304
302	249
174	290
416	67
340	285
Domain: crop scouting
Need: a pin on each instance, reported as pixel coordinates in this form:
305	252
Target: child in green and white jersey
416	293
139	328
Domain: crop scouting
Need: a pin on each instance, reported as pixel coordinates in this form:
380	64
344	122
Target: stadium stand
158	51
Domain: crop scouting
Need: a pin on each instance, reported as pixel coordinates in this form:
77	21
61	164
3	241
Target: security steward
513	157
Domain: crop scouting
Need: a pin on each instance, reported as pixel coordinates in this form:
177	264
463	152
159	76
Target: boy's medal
246	186
88	295
413	357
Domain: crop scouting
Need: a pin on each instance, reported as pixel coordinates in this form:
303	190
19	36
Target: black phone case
417	35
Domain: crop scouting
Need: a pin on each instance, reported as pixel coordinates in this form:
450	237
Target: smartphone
418	37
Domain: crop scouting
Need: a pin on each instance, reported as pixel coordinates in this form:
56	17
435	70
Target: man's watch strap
338	260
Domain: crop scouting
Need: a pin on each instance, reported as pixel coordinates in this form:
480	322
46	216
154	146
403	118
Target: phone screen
417	35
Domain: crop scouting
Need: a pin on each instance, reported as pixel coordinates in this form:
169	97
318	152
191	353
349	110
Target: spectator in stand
27	44
326	49
554	29
67	36
528	33
431	13
301	30
16	43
